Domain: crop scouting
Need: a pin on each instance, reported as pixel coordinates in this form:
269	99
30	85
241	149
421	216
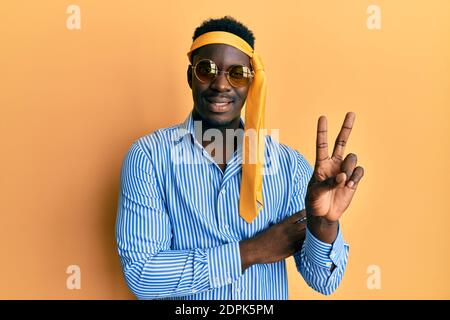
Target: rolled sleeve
325	254
316	259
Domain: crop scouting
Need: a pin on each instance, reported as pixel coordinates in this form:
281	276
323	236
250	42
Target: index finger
341	140
322	140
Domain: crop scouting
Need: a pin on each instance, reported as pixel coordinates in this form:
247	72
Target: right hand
275	243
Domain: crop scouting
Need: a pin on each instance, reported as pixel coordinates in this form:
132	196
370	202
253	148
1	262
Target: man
196	222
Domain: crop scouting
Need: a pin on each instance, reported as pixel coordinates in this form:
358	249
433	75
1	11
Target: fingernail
350	183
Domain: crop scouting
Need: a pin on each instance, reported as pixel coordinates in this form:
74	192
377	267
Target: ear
189	76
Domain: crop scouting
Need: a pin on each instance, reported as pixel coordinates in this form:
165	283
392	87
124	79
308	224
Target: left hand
334	180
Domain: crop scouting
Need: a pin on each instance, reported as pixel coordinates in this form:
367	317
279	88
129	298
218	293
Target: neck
232	125
228	146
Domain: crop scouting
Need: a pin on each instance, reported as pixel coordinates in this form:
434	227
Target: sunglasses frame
227	72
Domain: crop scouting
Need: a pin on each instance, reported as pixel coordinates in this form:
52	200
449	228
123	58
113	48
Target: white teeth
222	104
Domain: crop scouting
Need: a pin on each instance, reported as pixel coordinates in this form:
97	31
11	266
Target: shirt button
226	226
238	290
223	191
229	280
194	290
328	264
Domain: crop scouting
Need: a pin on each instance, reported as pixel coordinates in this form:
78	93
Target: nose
221	83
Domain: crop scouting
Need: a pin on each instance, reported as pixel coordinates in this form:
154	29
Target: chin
214	119
218	120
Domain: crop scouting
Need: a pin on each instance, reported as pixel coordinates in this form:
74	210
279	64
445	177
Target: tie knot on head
256	62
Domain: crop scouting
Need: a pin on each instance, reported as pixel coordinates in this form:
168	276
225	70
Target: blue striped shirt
178	225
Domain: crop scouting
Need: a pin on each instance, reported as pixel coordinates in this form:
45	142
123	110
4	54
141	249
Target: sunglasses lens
239	76
205	70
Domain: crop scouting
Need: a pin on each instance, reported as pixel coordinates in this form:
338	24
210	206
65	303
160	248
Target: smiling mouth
219	107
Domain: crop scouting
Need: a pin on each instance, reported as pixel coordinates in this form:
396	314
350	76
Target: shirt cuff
224	264
325	254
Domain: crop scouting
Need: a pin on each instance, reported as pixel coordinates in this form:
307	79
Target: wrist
323	229
248	253
321	222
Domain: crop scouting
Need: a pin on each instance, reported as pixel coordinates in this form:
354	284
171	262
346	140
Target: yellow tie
251	199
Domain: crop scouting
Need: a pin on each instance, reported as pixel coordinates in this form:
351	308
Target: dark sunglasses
206	71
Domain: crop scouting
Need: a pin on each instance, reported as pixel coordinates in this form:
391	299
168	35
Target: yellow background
73	101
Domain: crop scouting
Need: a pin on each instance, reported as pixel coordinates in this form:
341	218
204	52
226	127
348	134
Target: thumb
329	184
340	179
